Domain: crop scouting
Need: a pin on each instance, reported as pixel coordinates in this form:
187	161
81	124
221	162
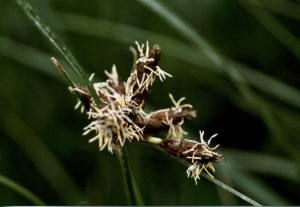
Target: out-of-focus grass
241	77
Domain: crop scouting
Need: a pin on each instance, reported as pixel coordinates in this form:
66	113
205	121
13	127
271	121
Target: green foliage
236	62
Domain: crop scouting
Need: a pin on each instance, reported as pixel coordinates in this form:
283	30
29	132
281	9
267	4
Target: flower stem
231	190
132	194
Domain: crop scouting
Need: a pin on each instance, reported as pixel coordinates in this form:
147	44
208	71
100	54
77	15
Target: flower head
122	117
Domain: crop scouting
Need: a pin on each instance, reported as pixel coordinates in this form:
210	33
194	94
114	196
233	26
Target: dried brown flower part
198	154
169	119
143	75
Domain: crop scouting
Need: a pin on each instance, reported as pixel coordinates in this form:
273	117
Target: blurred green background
235	61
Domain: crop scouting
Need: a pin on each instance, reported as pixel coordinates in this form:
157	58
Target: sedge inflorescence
198	154
122	117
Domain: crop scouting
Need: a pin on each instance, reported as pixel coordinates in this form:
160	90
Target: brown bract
198	154
157	121
189	151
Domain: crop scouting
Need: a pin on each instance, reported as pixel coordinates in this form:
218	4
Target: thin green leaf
29	56
287	8
183	27
266	114
269	164
40	156
55	41
251	184
274	27
21	190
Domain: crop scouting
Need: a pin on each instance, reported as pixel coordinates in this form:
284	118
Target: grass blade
50	35
252	185
21	190
272	165
274	27
287	8
183	28
62	183
28	56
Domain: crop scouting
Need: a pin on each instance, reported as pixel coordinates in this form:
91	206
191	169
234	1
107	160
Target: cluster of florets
122	117
198	154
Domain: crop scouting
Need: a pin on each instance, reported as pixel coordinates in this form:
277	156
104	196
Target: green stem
21	190
231	190
219	183
132	198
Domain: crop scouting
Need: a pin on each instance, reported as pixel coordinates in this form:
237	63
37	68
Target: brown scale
155	54
86	97
157	121
179	149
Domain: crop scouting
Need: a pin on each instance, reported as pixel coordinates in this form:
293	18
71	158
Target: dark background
236	62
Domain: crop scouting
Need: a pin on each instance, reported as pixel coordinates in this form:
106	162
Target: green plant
221	90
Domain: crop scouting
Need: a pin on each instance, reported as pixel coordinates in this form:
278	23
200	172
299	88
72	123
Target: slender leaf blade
50	35
21	190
